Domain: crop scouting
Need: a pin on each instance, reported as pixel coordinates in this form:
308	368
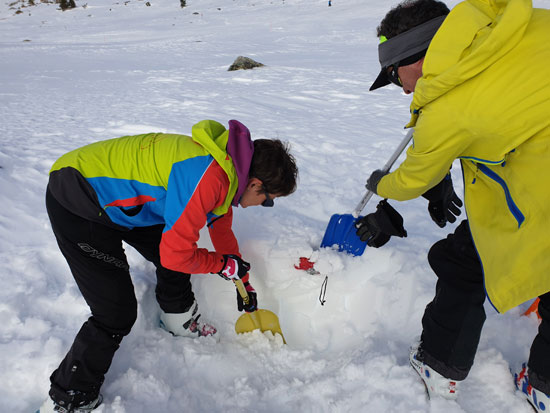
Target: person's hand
252	299
234	267
444	204
374	178
377	228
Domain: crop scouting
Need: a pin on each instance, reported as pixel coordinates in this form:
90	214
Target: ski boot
436	384
539	400
186	324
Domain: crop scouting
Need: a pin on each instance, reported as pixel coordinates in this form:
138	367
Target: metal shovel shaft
386	168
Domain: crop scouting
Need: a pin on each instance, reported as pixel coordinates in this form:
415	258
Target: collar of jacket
213	137
241	148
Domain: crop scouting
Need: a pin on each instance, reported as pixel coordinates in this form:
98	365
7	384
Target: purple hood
241	148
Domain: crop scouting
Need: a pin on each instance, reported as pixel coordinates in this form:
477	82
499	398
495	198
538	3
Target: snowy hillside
115	68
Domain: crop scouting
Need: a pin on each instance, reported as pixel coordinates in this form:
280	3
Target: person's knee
436	256
124	321
118	323
456	269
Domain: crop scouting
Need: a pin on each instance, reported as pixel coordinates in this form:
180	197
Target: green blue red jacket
182	182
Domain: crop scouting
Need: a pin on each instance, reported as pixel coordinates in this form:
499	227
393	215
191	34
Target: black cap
381	80
405	48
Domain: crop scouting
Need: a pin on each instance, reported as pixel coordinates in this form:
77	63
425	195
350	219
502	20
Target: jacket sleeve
223	238
222	235
429	158
178	246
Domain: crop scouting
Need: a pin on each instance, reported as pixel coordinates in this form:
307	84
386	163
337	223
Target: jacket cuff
219	264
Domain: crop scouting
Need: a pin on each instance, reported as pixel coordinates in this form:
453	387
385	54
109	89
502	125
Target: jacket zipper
516	212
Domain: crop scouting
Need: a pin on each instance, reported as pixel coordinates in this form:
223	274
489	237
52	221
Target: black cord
323	292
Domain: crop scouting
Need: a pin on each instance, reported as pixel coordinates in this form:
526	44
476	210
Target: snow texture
108	69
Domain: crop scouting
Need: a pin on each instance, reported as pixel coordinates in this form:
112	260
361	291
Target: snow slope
116	68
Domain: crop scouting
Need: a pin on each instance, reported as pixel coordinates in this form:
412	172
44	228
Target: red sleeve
178	246
222	236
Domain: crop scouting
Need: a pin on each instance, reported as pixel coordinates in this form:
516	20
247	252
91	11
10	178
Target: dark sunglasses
393	76
269	202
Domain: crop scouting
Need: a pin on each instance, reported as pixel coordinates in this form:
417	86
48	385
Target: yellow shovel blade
264	320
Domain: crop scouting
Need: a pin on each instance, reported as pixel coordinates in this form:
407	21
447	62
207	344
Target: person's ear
418	64
254	183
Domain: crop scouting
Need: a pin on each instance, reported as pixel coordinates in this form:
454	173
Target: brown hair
273	164
409	14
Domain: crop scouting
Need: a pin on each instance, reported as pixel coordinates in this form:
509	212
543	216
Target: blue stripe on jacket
167	206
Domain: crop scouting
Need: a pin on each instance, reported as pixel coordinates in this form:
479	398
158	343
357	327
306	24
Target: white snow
114	68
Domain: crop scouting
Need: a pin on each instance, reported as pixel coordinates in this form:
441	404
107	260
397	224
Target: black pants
97	261
452	322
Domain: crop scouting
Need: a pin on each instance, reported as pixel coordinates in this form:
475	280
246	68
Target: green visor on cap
403	46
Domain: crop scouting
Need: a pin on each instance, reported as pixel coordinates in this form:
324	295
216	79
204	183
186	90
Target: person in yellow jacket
481	82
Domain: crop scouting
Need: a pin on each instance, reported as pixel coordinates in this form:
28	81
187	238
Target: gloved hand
234	268
444	204
252	299
374	178
377	228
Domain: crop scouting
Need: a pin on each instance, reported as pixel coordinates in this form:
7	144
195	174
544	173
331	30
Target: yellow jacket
484	98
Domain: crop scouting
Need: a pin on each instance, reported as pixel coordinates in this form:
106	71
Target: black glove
444	204
252	299
234	268
373	180
377	228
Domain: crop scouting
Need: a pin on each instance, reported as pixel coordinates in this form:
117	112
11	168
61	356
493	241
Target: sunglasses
269	202
393	76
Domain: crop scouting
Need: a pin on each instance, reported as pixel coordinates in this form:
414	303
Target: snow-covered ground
112	68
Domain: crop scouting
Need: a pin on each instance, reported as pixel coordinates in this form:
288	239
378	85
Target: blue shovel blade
341	232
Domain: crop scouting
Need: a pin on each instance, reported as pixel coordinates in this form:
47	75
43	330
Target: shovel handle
386	168
242	291
246	299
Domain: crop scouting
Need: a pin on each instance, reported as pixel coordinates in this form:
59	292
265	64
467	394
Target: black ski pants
452	322
99	266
